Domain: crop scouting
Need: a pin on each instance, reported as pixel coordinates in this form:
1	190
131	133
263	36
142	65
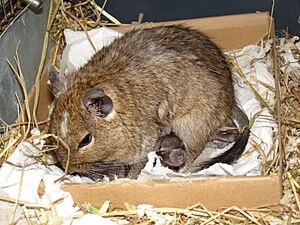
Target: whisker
98	170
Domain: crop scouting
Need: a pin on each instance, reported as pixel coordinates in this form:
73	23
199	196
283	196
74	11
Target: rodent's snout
87	140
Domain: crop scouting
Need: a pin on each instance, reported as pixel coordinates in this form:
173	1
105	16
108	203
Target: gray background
29	31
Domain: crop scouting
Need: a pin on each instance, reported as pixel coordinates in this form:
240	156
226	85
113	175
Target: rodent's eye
87	139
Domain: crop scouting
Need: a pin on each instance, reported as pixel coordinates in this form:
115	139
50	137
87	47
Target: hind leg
196	128
223	137
195	132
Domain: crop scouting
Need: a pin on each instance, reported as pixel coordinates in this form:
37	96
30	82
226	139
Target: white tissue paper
79	49
22	182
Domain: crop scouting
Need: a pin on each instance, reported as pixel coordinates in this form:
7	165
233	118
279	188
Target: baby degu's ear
97	102
57	83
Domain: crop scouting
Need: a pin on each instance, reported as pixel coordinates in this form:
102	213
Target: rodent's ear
97	102
57	82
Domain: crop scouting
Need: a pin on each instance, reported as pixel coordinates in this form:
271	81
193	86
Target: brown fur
172	150
165	77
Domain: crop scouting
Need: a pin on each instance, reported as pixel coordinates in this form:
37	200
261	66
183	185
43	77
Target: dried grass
87	15
83	16
198	214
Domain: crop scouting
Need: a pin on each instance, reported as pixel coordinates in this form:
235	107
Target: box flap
229	32
211	192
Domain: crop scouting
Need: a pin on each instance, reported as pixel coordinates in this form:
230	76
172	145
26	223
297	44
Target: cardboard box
229	32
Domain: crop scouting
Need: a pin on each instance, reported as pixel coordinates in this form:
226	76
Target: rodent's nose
85	141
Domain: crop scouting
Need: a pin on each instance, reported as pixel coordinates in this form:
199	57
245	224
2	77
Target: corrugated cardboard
211	192
229	32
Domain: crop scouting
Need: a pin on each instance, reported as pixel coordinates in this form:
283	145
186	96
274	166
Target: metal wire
9	9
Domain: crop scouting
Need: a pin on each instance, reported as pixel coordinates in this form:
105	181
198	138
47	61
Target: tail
239	146
231	154
235	151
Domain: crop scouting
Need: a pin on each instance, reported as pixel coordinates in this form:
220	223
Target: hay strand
41	67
